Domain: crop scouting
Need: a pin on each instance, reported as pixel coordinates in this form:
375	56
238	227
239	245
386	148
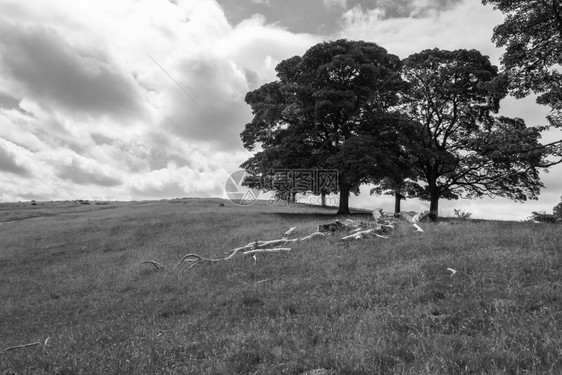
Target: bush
557	210
464	215
543	217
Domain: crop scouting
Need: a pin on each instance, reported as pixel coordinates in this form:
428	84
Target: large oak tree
316	110
461	149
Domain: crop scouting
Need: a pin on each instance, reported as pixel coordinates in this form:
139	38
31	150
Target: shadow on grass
321	215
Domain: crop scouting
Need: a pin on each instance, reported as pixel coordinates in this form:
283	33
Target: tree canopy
318	107
461	149
424	127
532	36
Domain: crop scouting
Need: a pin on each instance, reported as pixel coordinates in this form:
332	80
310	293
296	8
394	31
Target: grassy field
71	272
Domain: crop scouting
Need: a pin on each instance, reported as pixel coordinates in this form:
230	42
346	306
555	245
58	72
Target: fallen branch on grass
195	259
153	262
383	223
20	346
418	227
25	345
269	244
290	231
266	251
262	245
363	234
313	236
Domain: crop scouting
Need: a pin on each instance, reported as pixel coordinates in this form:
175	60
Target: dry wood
420	216
195	259
358	235
153	262
290	231
269	244
352	237
363	234
234	251
383	222
418	227
313	236
266	251
20	346
377	214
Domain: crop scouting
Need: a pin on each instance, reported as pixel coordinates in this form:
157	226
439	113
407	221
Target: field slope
72	273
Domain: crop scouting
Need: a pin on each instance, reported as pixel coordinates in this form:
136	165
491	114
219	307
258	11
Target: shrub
543	217
557	210
464	215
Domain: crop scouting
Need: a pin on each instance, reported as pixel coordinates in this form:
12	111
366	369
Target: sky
144	99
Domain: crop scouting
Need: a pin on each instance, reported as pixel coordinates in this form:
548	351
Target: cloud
10	161
262	2
178	182
451	25
42	65
335	3
87	112
208	105
86	172
8	102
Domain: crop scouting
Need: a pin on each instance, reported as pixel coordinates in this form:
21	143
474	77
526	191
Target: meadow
72	280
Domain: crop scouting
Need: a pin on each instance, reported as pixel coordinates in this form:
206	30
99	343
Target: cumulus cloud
87	172
42	65
335	3
9	160
466	24
262	2
8	102
87	112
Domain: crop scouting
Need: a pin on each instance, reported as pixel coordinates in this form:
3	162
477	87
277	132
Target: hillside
71	273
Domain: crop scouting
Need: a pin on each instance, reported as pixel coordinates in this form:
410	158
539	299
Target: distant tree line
426	126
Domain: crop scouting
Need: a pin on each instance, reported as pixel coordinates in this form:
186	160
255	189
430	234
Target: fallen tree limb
153	262
352	237
290	231
20	346
357	230
313	236
362	234
195	259
234	251
269	244
266	251
383	223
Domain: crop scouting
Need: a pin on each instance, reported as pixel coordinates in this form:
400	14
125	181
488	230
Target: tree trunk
434	206
344	198
434	194
323	197
397	200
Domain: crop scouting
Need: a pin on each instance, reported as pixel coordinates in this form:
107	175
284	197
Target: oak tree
461	149
315	110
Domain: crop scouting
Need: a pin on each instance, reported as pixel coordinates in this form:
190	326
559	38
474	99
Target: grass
72	272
